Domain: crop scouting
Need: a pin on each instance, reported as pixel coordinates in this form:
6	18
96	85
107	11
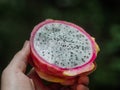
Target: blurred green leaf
115	65
115	32
100	18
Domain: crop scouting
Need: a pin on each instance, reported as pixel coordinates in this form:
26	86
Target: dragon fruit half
61	51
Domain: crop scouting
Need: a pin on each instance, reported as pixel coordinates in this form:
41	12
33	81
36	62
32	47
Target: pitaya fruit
61	51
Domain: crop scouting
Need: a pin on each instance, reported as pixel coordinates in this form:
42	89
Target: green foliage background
101	18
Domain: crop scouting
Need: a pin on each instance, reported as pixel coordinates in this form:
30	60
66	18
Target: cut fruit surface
62	49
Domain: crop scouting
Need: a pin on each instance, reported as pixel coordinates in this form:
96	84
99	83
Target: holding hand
14	78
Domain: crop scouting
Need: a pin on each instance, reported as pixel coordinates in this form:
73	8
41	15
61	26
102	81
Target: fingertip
25	51
39	85
20	60
83	80
26	46
25	43
24	54
82	87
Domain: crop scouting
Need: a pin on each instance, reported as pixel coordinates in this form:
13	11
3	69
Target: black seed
87	43
65	54
56	51
73	35
64	45
64	40
46	28
44	43
89	53
72	41
54	38
79	36
71	55
48	52
83	48
75	64
70	31
63	60
83	36
60	48
76	58
38	39
87	57
53	29
82	43
39	34
69	48
72	62
62	64
58	39
82	59
58	42
87	48
86	39
76	50
43	53
66	26
69	59
40	42
48	35
72	47
43	40
64	49
45	33
77	46
69	44
60	25
57	29
56	62
71	52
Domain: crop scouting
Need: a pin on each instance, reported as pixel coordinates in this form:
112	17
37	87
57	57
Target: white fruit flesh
62	45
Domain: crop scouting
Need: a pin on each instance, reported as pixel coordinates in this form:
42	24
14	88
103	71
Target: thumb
20	60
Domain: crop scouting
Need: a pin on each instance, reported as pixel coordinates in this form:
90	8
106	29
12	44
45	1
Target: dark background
100	18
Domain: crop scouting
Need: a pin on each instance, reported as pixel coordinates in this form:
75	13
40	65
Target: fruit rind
57	74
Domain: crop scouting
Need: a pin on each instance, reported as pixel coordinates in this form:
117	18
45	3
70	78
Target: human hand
14	77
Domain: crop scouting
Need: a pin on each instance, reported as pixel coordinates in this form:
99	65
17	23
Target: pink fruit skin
45	67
